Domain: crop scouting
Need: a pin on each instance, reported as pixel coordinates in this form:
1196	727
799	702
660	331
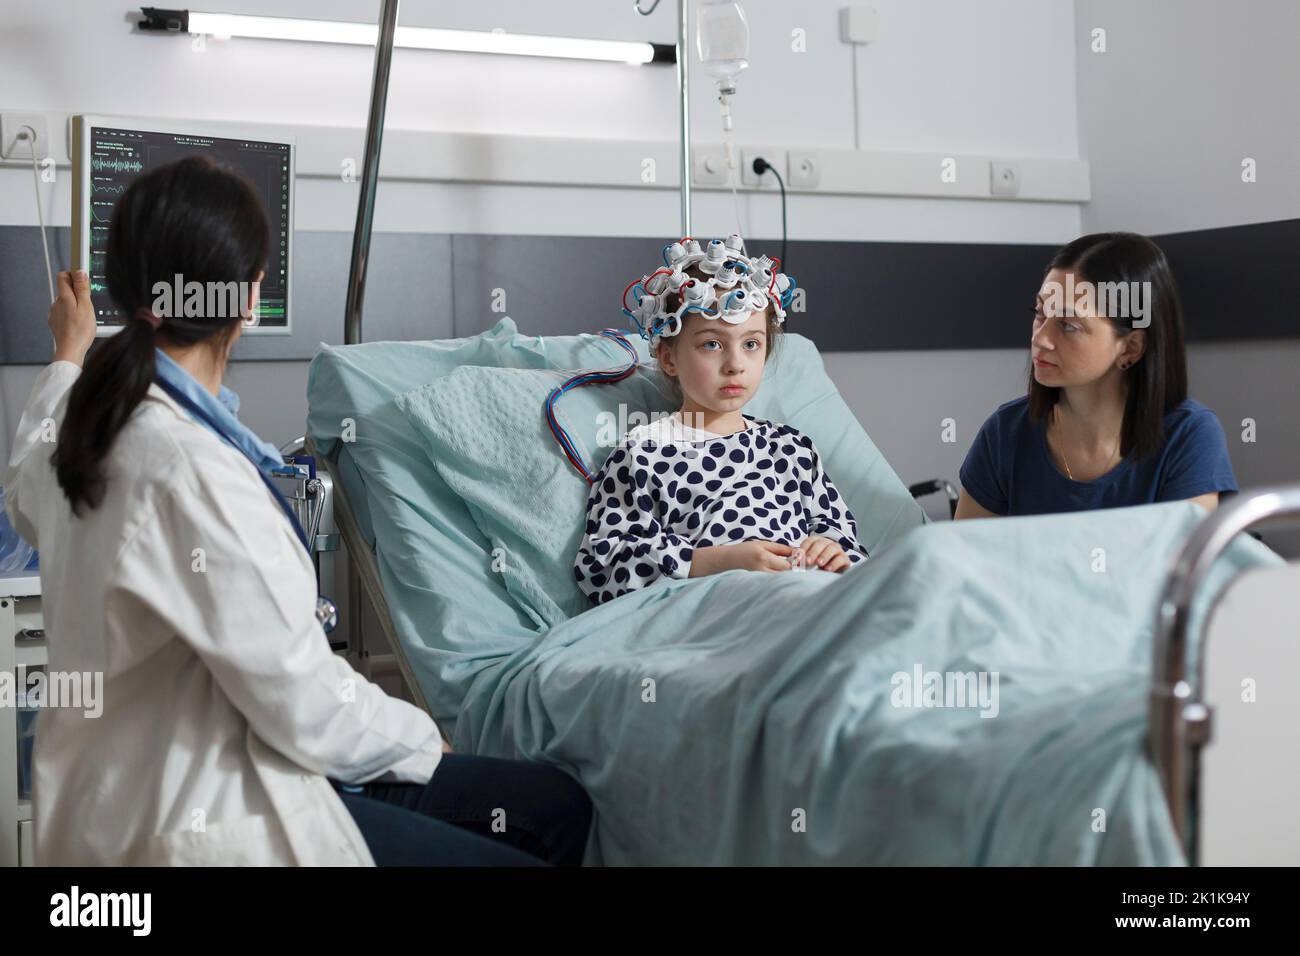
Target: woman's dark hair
190	219
672	302
1157	382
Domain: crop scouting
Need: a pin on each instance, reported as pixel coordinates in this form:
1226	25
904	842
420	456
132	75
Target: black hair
191	219
1157	382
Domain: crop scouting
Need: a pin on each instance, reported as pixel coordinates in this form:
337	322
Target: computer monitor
108	152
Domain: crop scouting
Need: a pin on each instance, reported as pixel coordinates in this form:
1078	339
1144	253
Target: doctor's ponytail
191	219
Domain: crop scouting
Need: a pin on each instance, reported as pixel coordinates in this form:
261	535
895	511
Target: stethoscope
326	612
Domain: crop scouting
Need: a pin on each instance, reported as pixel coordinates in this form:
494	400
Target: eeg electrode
736	286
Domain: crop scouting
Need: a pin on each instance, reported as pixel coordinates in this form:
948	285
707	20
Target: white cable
40	215
733	175
735	199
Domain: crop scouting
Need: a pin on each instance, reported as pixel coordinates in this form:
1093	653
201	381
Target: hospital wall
1185	90
1009	78
958	90
1193	89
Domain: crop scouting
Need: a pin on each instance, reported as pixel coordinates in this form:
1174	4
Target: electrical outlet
14	149
805	170
709	167
750	178
1005	178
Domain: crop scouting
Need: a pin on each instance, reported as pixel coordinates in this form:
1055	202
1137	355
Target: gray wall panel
860	296
554	285
408	293
24	292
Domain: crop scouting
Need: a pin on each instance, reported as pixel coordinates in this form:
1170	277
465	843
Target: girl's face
717	365
1076	349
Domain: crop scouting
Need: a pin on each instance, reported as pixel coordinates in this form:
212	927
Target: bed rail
363	580
1179	720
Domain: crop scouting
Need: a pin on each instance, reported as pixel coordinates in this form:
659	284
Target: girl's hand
824	553
746	555
72	318
762	555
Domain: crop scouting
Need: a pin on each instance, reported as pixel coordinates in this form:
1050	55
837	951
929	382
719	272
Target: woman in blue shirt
1107	421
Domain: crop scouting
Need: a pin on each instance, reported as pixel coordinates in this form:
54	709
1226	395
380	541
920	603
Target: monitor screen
108	153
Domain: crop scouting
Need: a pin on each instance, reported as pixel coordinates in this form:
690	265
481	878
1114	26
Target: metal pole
684	88
1179	722
369	174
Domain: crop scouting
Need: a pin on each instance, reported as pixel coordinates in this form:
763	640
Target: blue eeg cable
577	381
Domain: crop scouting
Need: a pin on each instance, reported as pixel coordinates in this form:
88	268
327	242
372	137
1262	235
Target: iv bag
722	36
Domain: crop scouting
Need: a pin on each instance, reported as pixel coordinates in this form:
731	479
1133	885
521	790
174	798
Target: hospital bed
744	718
708	723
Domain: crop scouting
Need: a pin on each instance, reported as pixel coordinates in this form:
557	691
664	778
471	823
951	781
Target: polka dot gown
653	503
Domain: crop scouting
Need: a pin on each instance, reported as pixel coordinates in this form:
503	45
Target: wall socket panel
709	167
1004	178
805	170
750	178
14	150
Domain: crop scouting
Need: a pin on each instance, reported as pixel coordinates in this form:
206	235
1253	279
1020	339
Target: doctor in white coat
228	728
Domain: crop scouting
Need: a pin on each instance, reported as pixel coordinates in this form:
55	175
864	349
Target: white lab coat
224	710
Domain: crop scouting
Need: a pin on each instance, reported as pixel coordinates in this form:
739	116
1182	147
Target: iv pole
369	175
684	88
375	135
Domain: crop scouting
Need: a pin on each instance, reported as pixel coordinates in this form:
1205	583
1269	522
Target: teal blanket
814	718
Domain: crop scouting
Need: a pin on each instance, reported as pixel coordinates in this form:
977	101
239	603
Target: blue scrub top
1009	470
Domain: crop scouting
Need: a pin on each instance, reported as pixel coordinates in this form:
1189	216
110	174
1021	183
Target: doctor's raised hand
72	318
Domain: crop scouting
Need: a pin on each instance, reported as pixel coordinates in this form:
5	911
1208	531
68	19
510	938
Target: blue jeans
475	811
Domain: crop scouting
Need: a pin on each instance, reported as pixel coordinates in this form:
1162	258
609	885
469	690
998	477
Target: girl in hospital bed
708	488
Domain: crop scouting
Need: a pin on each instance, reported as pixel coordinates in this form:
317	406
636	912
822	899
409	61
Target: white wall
956	97
945	75
1185	91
